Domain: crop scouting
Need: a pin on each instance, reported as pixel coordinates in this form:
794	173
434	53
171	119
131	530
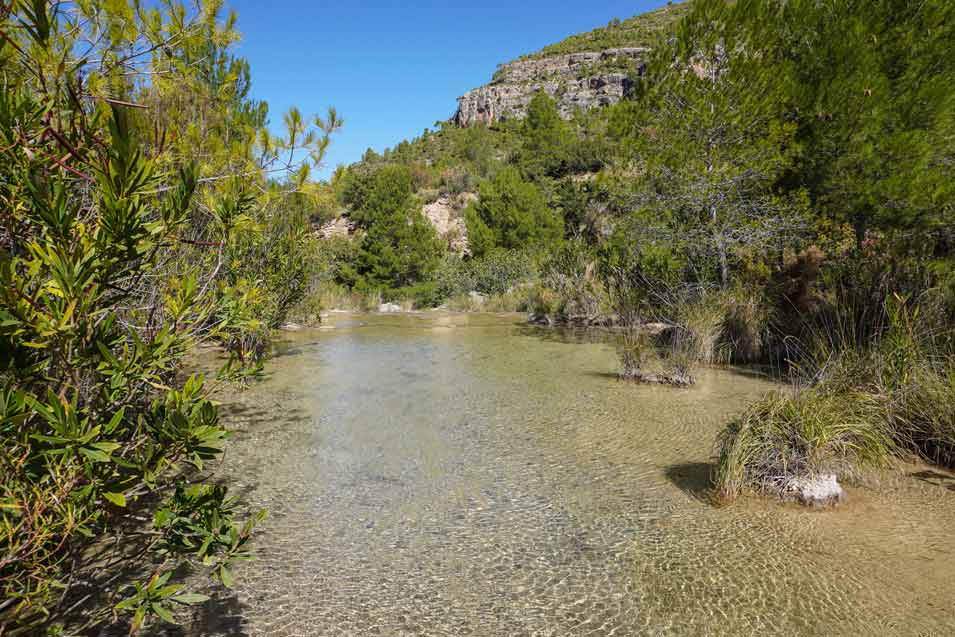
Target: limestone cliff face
577	80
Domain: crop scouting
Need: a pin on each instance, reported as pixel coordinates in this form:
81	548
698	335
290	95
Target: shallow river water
443	474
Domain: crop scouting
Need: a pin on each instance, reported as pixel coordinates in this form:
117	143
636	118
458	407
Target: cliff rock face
576	80
446	214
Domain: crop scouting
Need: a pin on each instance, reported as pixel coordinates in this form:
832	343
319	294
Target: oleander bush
131	230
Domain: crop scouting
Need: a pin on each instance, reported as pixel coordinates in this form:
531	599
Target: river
456	474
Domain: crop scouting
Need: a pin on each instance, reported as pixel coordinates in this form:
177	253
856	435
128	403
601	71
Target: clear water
445	474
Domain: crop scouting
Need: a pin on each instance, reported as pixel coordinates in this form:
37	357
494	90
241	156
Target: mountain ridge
583	71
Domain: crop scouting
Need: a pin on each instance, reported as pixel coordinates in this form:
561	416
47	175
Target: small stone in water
818	490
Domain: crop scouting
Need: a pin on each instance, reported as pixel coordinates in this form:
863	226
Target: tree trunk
720	250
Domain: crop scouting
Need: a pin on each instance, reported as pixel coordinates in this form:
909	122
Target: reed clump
850	409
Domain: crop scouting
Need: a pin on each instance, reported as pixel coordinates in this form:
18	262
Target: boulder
816	490
389	308
445	215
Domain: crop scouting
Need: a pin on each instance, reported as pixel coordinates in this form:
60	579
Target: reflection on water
445	474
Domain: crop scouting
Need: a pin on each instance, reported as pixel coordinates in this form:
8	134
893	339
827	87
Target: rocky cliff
576	80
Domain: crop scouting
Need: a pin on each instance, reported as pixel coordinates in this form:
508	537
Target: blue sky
390	68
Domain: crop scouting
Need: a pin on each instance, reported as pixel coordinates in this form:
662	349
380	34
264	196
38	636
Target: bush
91	424
922	413
745	333
667	357
493	274
501	270
854	405
511	213
807	433
572	273
422	295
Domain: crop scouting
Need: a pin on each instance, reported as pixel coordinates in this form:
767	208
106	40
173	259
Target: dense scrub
140	217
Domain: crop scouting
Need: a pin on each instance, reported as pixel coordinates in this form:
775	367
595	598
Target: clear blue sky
394	68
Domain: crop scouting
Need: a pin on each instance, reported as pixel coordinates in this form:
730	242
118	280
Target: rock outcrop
446	215
575	81
338	228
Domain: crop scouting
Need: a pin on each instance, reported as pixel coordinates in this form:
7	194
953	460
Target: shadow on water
243	417
221	615
936	478
577	335
695	479
566	335
606	376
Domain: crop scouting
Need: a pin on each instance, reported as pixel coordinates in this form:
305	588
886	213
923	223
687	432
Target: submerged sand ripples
485	479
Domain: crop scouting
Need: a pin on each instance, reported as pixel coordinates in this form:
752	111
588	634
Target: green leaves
154	598
116	498
107	278
190	598
511	213
37	23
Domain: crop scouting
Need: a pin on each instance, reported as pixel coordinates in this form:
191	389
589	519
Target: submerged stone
818	490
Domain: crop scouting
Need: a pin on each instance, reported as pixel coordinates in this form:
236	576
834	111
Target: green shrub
422	295
809	432
511	213
492	274
129	235
571	272
855	405
501	270
89	424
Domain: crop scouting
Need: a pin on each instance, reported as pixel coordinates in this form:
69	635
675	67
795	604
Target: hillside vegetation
640	30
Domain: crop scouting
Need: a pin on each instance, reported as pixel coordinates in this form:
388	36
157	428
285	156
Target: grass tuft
803	433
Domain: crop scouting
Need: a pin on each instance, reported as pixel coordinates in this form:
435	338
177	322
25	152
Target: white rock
387	308
818	490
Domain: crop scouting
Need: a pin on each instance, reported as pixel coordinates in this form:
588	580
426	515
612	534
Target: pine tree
399	247
511	213
710	139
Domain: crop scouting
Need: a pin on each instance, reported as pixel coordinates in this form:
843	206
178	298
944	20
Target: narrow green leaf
190	598
116	498
94	454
